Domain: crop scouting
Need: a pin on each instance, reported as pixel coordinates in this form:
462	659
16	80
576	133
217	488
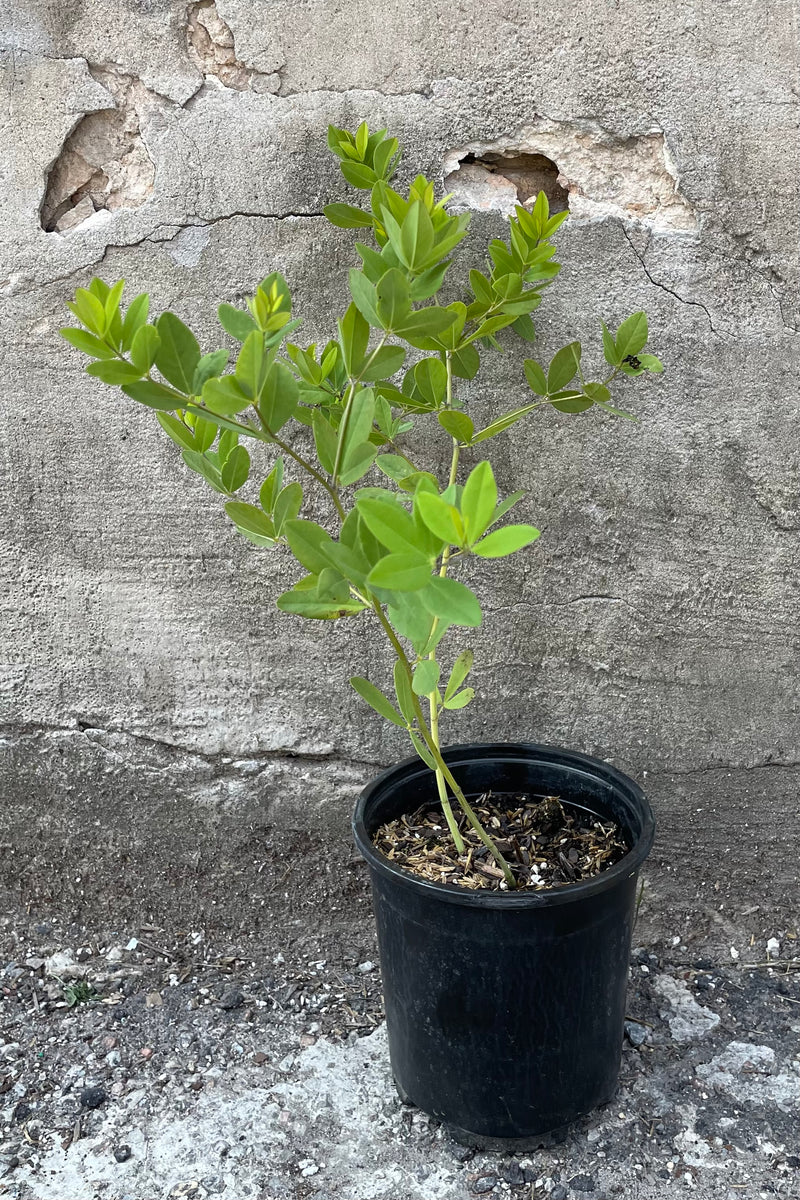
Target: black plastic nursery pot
505	1011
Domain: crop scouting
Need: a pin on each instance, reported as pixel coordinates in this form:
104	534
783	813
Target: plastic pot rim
413	767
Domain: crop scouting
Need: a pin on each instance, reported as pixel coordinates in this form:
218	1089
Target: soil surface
544	842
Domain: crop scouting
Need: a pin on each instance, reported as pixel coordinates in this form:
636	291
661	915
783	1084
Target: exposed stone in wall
603	175
211	45
104	164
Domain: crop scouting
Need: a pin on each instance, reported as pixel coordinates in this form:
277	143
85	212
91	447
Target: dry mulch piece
546	843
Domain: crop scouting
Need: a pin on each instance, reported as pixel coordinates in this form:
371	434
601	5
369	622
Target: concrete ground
149	1064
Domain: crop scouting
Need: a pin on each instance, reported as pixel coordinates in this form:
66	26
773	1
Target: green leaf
505	422
308	542
537	381
144	348
403	692
400	573
458	425
175	429
478	500
252	365
461	669
451	601
424	323
358	175
356	422
440	517
154	395
364	297
235	321
199	463
390	524
465	363
287	505
461	699
346	216
236	470
224	396
254	524
505	541
632	335
270	488
422	750
428	283
524	328
135	318
353	339
651	363
610	352
416	236
577	404
426	677
358	461
114	372
394	304
597	391
86	342
178	354
428	380
505	505
204	433
563	367
376	699
301	603
209	367
325	440
90	311
615	412
279	397
386	361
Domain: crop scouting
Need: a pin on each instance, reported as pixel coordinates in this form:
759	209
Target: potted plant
504	971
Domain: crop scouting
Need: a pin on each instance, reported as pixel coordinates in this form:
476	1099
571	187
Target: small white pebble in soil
132	944
366	967
773	948
734	954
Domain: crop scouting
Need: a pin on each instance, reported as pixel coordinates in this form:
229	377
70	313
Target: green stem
437	754
302	462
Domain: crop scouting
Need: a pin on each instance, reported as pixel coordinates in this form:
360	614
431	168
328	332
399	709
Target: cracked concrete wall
655	623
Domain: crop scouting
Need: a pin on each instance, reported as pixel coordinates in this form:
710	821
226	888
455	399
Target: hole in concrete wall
212	47
496	179
103	164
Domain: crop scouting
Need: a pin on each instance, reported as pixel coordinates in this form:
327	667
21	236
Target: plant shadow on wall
492	1060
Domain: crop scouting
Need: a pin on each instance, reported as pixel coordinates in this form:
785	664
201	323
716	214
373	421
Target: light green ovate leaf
428	381
135	317
458	425
563	367
305	604
346	216
210	366
287	505
309	543
612	357
394	466
90	311
632	335
199	463
353	339
271	487
178	354
175	429
576	405
114	372
451	601
426	677
441	518
235	321
505	541
252	523
597	391
461	699
505	422
478	500
390	524
252	365
461	669
504	507
651	363
87	343
403	692
424	323
400	573
154	395
204	433
225	397
325	440
422	750
357	462
364	297
236	469
524	328
144	348
465	362
386	362
537	380
394	304
376	699
280	396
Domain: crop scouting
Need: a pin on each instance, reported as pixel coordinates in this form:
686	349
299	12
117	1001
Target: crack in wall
104	164
212	48
665	288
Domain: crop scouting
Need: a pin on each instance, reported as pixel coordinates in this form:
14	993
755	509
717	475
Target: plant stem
302	462
437	754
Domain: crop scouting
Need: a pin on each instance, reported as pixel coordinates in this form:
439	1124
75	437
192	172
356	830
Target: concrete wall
157	712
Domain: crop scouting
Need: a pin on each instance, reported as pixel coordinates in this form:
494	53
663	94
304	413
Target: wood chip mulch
546	843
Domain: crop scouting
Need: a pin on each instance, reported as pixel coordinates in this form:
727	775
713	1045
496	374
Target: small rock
22	1112
484	1184
122	1153
366	967
308	1168
132	944
559	1192
153	1000
113	1058
231	998
734	954
110	1041
62	965
93	1097
259	1058
635	1033
773	948
581	1183
514	1174
114	955
146	1053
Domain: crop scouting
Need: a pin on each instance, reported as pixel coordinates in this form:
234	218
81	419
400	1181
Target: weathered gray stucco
156	709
